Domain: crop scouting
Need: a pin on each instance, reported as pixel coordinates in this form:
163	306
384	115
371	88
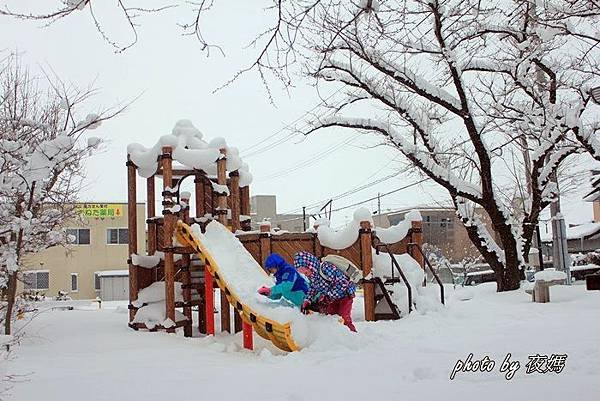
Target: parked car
478	277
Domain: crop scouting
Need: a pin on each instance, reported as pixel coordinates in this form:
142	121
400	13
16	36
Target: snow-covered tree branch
460	88
43	144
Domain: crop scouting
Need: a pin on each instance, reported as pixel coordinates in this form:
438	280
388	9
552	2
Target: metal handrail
428	264
397	266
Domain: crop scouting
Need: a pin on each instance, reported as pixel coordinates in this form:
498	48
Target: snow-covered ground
90	354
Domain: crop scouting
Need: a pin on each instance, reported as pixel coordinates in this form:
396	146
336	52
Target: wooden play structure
220	197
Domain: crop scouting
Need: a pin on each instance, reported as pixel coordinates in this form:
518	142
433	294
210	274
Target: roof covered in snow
189	150
112	273
585	231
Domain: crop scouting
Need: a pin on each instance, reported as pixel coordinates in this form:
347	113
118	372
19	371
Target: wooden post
248	341
151	207
235	200
222	217
199	192
200	212
186	275
209	302
168	230
417	238
245	207
265	243
132	230
366	253
234	205
222	180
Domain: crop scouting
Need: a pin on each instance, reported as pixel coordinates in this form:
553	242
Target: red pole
209	303
247	331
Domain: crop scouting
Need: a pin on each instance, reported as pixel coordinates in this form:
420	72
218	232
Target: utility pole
560	248
560	252
304	218
378	203
537	242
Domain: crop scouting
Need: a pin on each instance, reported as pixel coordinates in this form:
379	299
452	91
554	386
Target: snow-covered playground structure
182	265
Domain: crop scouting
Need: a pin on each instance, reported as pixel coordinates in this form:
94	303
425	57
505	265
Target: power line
320	156
353	190
363	201
381	195
322	102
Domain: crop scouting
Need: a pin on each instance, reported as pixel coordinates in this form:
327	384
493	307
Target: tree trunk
10	302
511	272
507	274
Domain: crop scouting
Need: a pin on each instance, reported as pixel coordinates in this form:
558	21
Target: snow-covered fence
359	252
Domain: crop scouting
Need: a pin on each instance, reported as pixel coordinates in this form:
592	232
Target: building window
36	280
74	282
96	282
78	236
117	236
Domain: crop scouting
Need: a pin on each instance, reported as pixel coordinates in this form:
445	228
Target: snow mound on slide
245	276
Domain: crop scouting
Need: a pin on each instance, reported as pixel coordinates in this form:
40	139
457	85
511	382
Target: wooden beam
366	253
245	207
265	244
417	237
209	302
168	230
132	230
199	192
234	195
222	217
151	208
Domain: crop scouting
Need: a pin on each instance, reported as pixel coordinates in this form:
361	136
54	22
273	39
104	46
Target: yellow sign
99	209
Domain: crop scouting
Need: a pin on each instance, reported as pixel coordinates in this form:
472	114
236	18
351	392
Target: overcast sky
174	79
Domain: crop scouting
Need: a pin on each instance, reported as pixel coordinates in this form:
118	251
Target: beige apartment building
97	255
441	228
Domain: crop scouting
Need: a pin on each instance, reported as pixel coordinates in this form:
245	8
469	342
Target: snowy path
92	355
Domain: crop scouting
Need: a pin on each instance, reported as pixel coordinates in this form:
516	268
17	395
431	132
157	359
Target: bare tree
483	97
42	150
131	12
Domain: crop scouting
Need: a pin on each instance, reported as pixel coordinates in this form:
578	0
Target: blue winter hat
275	261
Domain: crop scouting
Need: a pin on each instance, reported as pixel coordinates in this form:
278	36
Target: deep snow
90	354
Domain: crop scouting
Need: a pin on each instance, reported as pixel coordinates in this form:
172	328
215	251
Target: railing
396	265
428	264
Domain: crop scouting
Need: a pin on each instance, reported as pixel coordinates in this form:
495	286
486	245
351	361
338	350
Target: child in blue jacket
289	284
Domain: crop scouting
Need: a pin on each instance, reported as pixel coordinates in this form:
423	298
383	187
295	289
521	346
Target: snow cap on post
363	216
189	149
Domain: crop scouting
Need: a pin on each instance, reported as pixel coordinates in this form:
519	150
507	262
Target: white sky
175	80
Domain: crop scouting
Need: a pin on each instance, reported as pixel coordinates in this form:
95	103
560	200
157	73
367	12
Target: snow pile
155	292
244	276
191	151
382	268
550	275
588	266
347	236
147	261
154	313
398	232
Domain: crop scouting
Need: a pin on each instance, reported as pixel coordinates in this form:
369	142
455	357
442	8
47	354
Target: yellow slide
278	333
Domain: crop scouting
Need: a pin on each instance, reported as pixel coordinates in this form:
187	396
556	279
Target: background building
442	230
99	252
265	207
